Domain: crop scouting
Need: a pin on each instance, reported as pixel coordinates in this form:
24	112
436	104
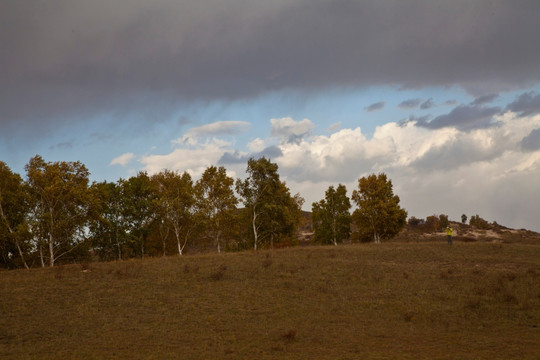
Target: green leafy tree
60	194
13	227
443	221
331	216
175	204
273	212
216	202
107	224
379	214
138	211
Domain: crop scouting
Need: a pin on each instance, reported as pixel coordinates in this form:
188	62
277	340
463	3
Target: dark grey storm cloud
410	104
484	99
376	106
531	142
67	60
464	117
526	104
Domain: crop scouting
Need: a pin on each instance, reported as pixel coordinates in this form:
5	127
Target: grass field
364	301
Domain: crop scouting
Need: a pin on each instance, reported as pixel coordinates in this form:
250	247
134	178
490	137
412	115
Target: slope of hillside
422	300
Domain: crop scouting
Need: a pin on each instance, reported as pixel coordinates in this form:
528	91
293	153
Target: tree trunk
255	235
119	248
51	238
51	250
217	242
21	253
142	246
41	257
177	234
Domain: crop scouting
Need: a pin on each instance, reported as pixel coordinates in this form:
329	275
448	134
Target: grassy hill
398	300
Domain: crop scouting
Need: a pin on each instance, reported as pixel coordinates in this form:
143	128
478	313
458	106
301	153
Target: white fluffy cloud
194	158
289	130
434	171
123	159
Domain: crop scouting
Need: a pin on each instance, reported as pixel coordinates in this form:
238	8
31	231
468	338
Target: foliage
216	202
379	214
463	219
331	217
274	213
14	235
138	210
443	221
59	193
107	223
433	223
175	207
479	223
414	222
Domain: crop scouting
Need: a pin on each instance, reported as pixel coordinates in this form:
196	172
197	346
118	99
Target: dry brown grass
389	301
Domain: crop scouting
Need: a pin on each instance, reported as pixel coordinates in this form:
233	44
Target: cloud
63	145
526	104
334	127
484	99
256	145
427	104
532	141
236	157
289	130
375	107
444	170
123	159
464	117
410	104
194	158
218	128
149	59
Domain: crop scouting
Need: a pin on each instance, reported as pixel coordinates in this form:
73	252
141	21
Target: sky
442	96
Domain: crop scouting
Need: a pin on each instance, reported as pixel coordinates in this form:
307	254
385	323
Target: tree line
55	215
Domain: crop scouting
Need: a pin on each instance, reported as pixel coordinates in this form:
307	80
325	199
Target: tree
477	222
379	214
138	208
216	201
175	203
443	221
433	223
274	213
463	218
60	194
107	224
331	217
13	210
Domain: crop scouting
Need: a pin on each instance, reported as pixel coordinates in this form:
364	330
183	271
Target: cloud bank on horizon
98	68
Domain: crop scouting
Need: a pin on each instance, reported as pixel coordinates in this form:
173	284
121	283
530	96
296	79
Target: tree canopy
273	212
379	215
54	216
331	217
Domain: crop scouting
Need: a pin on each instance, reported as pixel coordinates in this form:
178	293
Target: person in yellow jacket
449	232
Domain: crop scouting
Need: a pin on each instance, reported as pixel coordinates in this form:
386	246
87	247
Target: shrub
479	223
